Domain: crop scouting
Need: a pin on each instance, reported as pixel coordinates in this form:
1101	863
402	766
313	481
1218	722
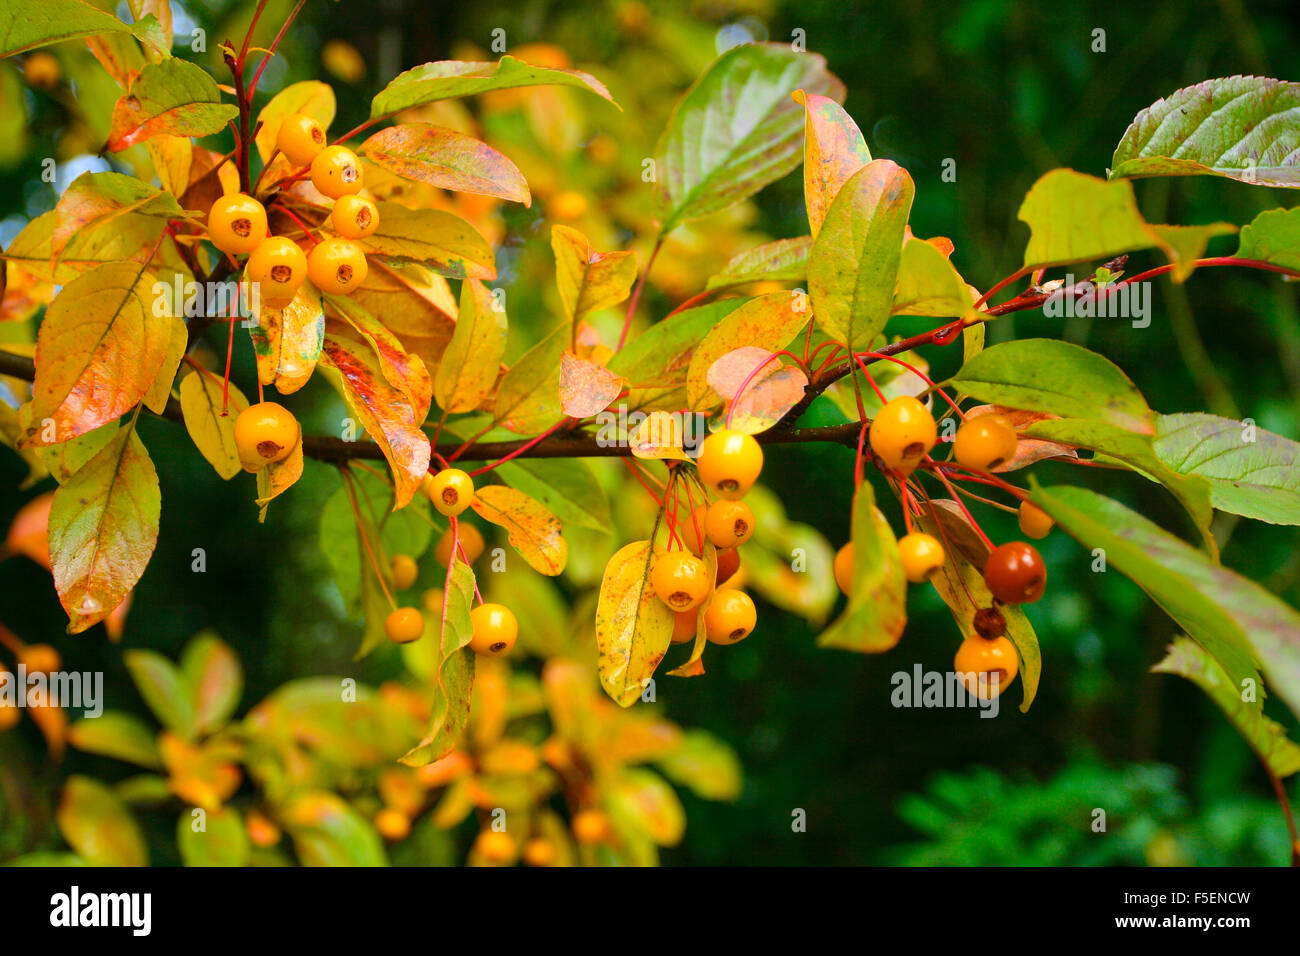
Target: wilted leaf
287	342
277	477
103	528
532	530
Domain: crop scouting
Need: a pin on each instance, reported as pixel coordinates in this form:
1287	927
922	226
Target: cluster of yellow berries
495	628
729	463
901	436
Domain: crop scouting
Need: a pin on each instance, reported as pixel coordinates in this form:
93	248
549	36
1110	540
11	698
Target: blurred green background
1008	89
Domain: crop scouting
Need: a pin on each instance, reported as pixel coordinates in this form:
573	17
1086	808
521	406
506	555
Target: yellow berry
278	267
902	433
1034	521
393	825
986	667
404	625
300	139
729	524
495	630
337	266
237	223
335	172
451	491
471	542
984	443
265	433
730	617
404	570
844	568
354	217
495	847
922	556
681	580
729	463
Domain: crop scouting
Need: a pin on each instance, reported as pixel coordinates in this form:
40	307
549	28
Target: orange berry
844	568
399	789
39	658
728	564
902	433
471	540
278	267
264	433
354	217
684	625
686	530
404	571
432	601
1034	521
568	205
496	847
335	171
539	851
237	223
337	266
392	824
42	70
590	826
730	617
300	139
986	667
495	630
262	831
922	556
730	463
984	443
681	580
404	625
451	491
729	523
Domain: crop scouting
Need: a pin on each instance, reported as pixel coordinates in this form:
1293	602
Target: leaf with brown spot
103	528
531	528
446	159
472	362
98	351
585	387
633	627
175	97
383	410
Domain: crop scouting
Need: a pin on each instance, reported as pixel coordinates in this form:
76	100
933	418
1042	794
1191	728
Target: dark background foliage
1007	89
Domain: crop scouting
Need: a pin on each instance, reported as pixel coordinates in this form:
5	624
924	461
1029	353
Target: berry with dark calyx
451	491
990	623
729	463
922	556
731	617
300	139
335	172
264	433
729	524
902	433
237	223
495	630
278	266
1034	521
986	667
1015	573
681	580
354	217
337	266
404	625
985	442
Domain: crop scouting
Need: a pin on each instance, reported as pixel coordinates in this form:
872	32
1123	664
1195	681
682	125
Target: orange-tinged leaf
53	725
115	623
110	201
175	97
178	343
215	679
659	436
66	459
29	533
412	300
287	342
212	426
446	159
633	627
643	800
589	280
585	387
445	243
103	528
768	321
98	826
530	527
99	349
383	410
833	150
278	477
471	363
747	364
404	371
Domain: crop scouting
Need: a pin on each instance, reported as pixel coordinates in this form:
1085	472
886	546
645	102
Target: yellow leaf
178	340
633	627
470	365
278	477
213	432
589	280
531	528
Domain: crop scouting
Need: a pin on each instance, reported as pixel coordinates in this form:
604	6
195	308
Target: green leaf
98	826
1239	127
1251	472
1139	453
326	831
876	613
164	689
444	242
447	79
221	842
174	97
1046	375
472	361
1266	737
642	800
1237	621
116	734
737	129
853	268
214	678
566	486
27	24
528	398
784	260
446	159
928	284
454	679
768	321
1273	236
706	765
655	363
